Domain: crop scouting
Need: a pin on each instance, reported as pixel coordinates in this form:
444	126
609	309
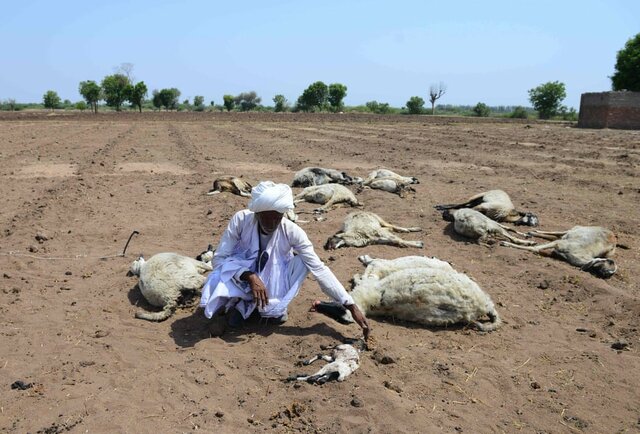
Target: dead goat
327	195
343	361
231	184
587	247
497	205
386	180
318	176
472	224
362	228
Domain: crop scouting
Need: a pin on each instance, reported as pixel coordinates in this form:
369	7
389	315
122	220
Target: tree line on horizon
117	89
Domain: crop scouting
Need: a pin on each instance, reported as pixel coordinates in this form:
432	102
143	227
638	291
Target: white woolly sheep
425	291
362	228
473	224
386	180
497	205
344	360
317	176
327	195
164	278
231	184
587	247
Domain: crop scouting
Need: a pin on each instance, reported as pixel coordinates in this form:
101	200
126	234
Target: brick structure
610	110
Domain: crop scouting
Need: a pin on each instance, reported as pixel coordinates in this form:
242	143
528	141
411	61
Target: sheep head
333	310
136	266
601	267
527	219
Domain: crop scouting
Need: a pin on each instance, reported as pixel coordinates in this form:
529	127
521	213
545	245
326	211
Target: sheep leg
211	193
548	235
165	313
245	194
537	249
517	240
473	202
510	229
392	240
395	228
327	206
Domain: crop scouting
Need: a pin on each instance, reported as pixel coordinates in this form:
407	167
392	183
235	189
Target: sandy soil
75	187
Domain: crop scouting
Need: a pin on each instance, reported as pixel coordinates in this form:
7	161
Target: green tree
415	105
169	98
627	69
51	100
481	110
377	107
228	102
247	101
314	97
136	94
519	113
198	102
281	103
81	105
547	97
155	99
114	89
91	92
337	92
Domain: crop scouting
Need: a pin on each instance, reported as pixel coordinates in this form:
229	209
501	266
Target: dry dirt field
83	183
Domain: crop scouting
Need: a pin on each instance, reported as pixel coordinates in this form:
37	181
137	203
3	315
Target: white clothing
283	273
268	196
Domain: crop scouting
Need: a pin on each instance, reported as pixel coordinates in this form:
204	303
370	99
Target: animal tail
623	246
165	313
490	326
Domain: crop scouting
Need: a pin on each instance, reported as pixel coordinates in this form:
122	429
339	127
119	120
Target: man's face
269	220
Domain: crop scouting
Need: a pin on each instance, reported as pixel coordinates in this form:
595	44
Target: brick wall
610	110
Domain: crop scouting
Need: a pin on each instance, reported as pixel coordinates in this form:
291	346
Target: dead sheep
343	361
327	195
362	228
386	180
164	278
318	176
497	205
231	184
425	291
587	247
472	224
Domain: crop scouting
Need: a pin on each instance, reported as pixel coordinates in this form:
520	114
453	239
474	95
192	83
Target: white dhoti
283	283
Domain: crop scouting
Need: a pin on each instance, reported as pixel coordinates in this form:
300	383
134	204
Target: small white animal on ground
343	361
386	180
318	176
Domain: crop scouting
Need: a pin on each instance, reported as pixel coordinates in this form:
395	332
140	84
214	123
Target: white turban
268	196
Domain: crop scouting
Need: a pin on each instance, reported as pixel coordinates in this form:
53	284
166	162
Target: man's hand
258	290
359	317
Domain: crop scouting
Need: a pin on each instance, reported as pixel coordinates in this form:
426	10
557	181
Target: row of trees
546	98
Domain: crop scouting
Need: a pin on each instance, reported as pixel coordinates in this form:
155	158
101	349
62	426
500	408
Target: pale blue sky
484	51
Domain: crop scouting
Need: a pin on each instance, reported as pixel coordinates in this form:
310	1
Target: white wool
269	196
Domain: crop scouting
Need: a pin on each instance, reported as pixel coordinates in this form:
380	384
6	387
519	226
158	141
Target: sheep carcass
425	291
231	184
587	247
327	195
164	278
473	224
497	205
343	361
363	228
386	180
317	176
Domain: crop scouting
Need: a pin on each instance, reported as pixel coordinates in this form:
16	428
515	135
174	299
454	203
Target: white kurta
283	273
